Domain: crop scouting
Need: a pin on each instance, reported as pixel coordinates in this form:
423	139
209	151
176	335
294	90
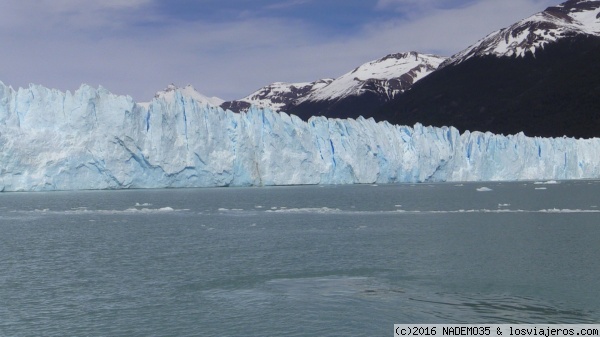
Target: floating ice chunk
484	189
549	182
322	210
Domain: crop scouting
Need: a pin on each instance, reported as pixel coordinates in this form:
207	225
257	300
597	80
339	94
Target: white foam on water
337	211
150	210
86	211
556	210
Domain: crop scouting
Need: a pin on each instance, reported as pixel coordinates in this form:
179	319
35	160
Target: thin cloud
81	6
287	4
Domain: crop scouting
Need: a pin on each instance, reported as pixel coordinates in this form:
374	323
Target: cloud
286	4
402	5
415	8
68	17
89	6
131	48
449	30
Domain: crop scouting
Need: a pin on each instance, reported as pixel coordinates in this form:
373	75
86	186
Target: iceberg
92	139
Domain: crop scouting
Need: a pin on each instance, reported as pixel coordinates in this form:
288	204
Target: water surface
298	261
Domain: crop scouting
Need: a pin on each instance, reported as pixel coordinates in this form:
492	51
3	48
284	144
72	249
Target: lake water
298	261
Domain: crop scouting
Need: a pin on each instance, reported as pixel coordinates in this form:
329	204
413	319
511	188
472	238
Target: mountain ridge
552	49
568	19
381	80
539	75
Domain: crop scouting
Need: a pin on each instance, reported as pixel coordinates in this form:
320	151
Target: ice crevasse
92	139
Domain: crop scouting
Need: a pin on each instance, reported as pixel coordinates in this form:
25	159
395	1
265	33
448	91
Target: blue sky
229	48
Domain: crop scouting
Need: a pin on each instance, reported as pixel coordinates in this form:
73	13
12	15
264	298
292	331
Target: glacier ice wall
92	139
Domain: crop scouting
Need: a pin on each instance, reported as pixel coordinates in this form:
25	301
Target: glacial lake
298	261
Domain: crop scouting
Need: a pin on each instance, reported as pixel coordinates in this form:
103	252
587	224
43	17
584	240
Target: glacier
93	139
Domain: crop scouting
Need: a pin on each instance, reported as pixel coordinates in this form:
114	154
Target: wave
309	210
327	210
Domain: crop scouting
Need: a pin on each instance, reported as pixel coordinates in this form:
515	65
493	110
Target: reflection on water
498	309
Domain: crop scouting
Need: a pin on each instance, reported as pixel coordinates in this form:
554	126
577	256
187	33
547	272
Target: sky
229	48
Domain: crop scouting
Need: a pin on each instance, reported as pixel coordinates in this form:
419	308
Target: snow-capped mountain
387	76
277	96
571	18
371	84
362	91
540	76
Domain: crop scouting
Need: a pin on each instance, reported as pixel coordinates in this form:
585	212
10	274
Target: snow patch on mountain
387	77
406	68
568	19
277	96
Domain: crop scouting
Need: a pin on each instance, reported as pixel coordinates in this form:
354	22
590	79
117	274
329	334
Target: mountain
567	20
92	139
278	96
353	94
541	76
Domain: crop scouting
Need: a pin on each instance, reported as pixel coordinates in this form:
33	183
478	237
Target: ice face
92	139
